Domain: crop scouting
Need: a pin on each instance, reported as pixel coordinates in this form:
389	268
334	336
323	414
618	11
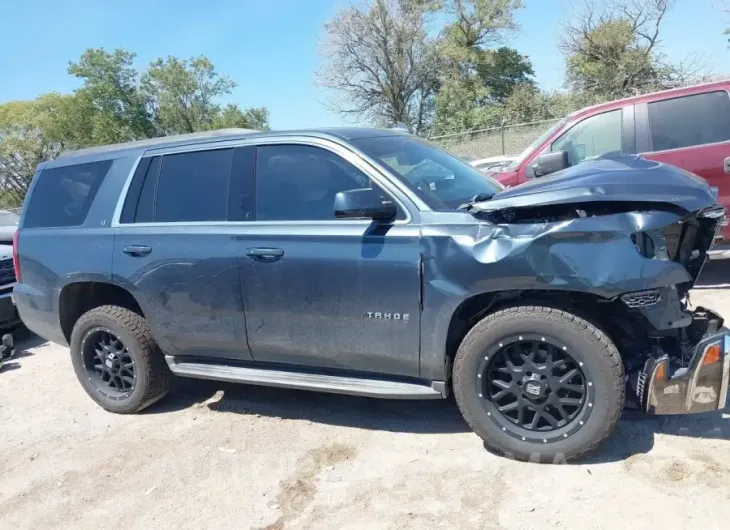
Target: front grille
641	298
7	272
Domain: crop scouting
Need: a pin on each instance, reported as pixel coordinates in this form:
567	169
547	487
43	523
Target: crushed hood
619	179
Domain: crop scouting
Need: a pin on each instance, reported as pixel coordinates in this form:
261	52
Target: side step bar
337	384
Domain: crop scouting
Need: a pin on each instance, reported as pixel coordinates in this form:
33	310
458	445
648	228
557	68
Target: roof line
160	140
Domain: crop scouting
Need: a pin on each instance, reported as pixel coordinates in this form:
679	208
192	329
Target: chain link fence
482	143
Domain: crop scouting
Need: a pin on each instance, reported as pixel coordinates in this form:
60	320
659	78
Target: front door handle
264	253
137	250
726	165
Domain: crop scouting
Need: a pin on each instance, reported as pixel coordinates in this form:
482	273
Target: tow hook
6	348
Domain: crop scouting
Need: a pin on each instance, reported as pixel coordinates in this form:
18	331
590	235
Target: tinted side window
241	200
194	187
145	211
689	120
62	196
299	182
139	203
592	137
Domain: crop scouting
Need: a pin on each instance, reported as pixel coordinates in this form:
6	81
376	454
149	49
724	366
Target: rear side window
689	120
194	187
62	196
145	212
140	201
179	188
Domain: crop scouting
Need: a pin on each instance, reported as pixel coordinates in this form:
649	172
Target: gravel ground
222	456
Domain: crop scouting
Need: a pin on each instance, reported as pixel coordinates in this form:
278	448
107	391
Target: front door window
591	138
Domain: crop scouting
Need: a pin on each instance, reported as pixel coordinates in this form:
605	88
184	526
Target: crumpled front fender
592	255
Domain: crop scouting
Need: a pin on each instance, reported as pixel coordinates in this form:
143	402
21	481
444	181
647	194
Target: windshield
8	218
441	180
535	144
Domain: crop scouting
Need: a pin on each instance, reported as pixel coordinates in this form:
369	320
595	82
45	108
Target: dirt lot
219	456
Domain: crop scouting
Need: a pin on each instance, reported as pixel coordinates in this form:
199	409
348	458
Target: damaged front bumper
700	387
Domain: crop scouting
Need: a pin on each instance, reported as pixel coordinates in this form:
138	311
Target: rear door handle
137	250
726	165
264	253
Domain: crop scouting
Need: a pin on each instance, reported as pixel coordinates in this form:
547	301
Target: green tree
477	79
232	116
38	130
111	85
612	50
475	25
172	96
183	95
503	70
115	103
463	104
527	103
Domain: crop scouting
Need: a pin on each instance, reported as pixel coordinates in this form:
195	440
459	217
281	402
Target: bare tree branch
379	63
612	49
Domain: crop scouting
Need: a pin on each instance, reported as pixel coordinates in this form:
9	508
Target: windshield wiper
479	197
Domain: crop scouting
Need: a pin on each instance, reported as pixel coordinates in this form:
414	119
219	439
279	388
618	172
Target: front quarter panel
589	255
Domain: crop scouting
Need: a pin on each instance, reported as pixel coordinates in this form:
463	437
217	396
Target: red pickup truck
687	127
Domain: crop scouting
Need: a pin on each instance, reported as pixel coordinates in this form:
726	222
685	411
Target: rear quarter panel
51	258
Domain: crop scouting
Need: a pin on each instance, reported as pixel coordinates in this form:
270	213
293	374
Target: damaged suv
370	262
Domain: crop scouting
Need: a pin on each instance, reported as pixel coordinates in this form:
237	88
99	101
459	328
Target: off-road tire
153	376
602	366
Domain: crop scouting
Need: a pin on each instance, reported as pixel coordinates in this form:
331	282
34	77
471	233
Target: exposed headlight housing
644	244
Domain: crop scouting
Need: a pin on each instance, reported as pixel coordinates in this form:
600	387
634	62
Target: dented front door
320	291
337	295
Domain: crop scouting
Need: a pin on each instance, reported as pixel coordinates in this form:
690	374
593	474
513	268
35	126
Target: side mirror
550	163
367	203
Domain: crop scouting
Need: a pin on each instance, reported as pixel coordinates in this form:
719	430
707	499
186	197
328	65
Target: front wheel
539	384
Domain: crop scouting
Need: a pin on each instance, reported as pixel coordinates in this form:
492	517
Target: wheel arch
609	315
78	297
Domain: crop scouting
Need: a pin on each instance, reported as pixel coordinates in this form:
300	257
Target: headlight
644	243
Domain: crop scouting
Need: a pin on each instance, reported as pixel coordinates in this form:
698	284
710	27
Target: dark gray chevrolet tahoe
373	263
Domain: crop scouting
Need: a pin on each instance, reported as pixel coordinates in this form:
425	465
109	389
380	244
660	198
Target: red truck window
690	120
592	137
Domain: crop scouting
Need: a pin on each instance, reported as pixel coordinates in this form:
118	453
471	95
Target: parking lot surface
222	456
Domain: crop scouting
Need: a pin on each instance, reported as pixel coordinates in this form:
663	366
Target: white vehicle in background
493	163
9	319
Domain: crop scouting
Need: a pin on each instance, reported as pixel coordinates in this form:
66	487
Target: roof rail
160	140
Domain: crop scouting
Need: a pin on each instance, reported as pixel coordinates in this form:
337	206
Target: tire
151	376
591	352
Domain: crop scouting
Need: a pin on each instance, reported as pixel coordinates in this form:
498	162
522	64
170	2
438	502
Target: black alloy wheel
533	388
108	363
539	383
117	360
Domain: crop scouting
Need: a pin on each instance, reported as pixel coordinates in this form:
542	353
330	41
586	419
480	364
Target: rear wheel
117	360
539	384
